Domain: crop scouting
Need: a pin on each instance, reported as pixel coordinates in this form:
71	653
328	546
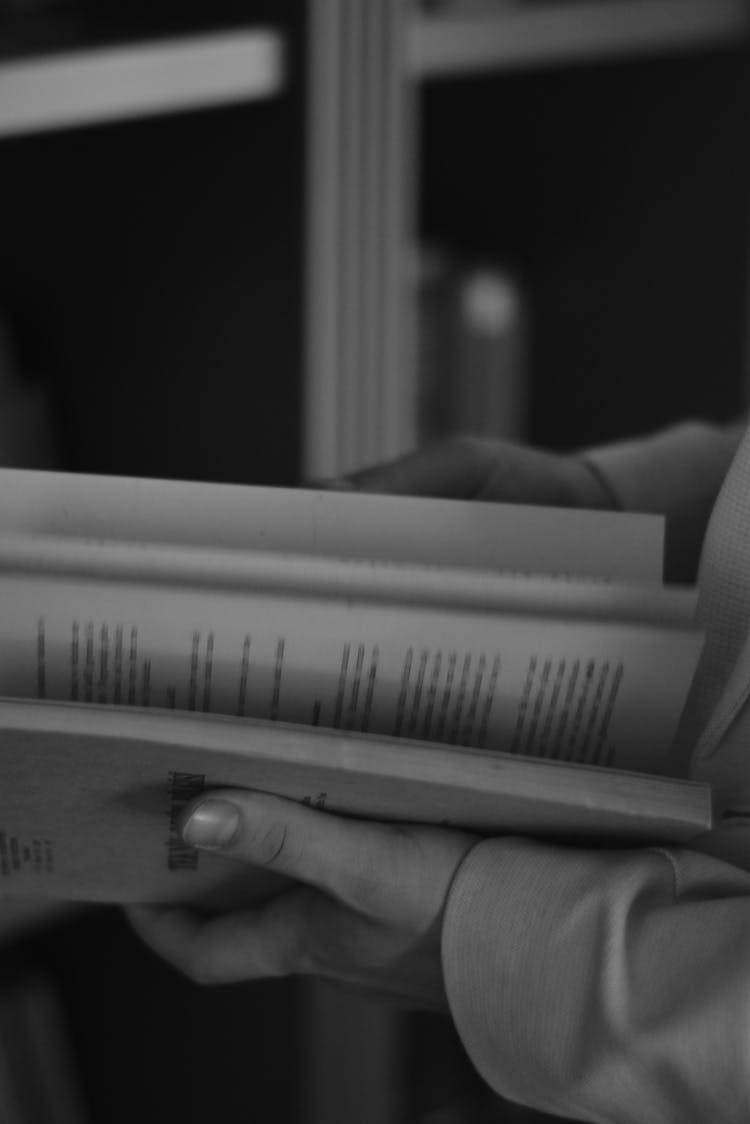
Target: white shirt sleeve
604	985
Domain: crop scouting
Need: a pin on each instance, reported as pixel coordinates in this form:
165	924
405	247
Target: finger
304	932
352	860
169	931
454	469
240	945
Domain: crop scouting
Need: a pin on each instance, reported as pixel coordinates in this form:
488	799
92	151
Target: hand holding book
366	907
568	970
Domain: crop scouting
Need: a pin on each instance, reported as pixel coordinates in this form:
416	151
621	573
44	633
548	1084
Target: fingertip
211	823
145	914
137	913
153	924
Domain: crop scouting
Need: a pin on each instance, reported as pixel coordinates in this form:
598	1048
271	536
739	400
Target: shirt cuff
498	976
603	985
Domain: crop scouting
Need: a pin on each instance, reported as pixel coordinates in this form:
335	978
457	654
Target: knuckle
272	847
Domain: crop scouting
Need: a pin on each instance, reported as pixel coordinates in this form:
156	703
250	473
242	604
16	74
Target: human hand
482	469
366	909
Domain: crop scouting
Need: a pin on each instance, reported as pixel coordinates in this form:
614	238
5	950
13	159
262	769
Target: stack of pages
501	668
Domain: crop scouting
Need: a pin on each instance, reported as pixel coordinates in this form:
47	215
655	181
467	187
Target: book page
605	693
367	579
399	529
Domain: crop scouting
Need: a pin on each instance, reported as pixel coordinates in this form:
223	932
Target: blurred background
264	242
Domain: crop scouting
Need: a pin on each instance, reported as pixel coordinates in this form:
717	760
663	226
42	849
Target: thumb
344	858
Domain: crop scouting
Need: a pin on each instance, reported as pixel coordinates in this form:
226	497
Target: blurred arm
676	472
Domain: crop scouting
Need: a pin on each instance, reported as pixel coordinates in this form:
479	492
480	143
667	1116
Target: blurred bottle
473	349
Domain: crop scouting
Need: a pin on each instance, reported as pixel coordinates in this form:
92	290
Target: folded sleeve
676	472
604	985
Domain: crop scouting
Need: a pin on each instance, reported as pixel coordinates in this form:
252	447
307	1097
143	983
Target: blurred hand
367	911
481	469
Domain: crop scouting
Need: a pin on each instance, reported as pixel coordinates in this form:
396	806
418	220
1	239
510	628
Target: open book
502	668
